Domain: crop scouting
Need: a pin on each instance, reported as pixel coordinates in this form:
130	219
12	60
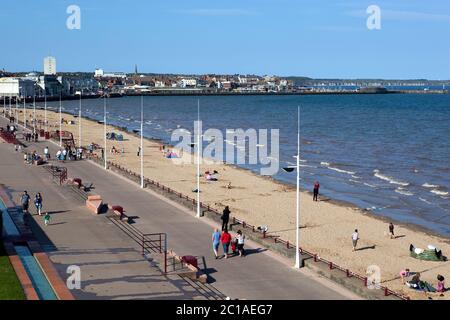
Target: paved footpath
260	275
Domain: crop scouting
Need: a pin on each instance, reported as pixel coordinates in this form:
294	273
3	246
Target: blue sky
315	38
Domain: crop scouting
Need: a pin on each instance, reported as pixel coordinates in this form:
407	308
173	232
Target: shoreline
289	186
260	200
284	184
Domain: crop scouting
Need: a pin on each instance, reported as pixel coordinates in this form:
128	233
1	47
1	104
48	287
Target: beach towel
427	254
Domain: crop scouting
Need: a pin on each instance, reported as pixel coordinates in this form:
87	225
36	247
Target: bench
94	203
119	213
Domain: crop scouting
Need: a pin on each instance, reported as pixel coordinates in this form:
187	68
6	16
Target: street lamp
45	110
60	119
34	114
142	141
198	158
298	259
79	121
104	127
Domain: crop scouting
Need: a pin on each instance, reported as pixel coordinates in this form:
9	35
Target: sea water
388	153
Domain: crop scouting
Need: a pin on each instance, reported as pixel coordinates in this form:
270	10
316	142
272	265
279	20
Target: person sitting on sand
229	185
404	274
440	285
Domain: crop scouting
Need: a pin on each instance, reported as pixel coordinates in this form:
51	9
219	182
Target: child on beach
404	274
47	218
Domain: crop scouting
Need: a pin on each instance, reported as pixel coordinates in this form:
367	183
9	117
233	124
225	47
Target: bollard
287	244
243	224
315	258
386	292
253	229
365	282
264	234
347	272
331	265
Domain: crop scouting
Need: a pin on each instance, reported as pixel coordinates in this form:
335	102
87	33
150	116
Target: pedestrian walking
25	201
391	230
139	151
216	242
240	243
225	239
38	203
47	218
316	190
355	238
46	153
225	218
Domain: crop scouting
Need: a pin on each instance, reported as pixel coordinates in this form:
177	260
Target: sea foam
427	185
389	179
438	192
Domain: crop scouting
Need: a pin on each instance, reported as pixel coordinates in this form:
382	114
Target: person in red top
225	239
316	190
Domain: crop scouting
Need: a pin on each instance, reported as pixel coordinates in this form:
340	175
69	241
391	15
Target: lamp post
297	233
45	111
198	158
142	141
60	120
34	114
16	112
104	129
79	121
24	112
298	259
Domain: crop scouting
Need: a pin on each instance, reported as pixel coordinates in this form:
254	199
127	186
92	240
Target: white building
16	87
99	73
160	84
242	80
49	66
185	83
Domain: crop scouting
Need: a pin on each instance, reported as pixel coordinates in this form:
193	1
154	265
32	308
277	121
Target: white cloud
218	12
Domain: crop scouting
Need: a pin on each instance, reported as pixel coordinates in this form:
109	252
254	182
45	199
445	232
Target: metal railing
246	226
148	242
58	173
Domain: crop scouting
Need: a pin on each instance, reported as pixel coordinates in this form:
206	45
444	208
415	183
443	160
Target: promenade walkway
91	242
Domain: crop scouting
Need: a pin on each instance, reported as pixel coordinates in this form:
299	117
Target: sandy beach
327	226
